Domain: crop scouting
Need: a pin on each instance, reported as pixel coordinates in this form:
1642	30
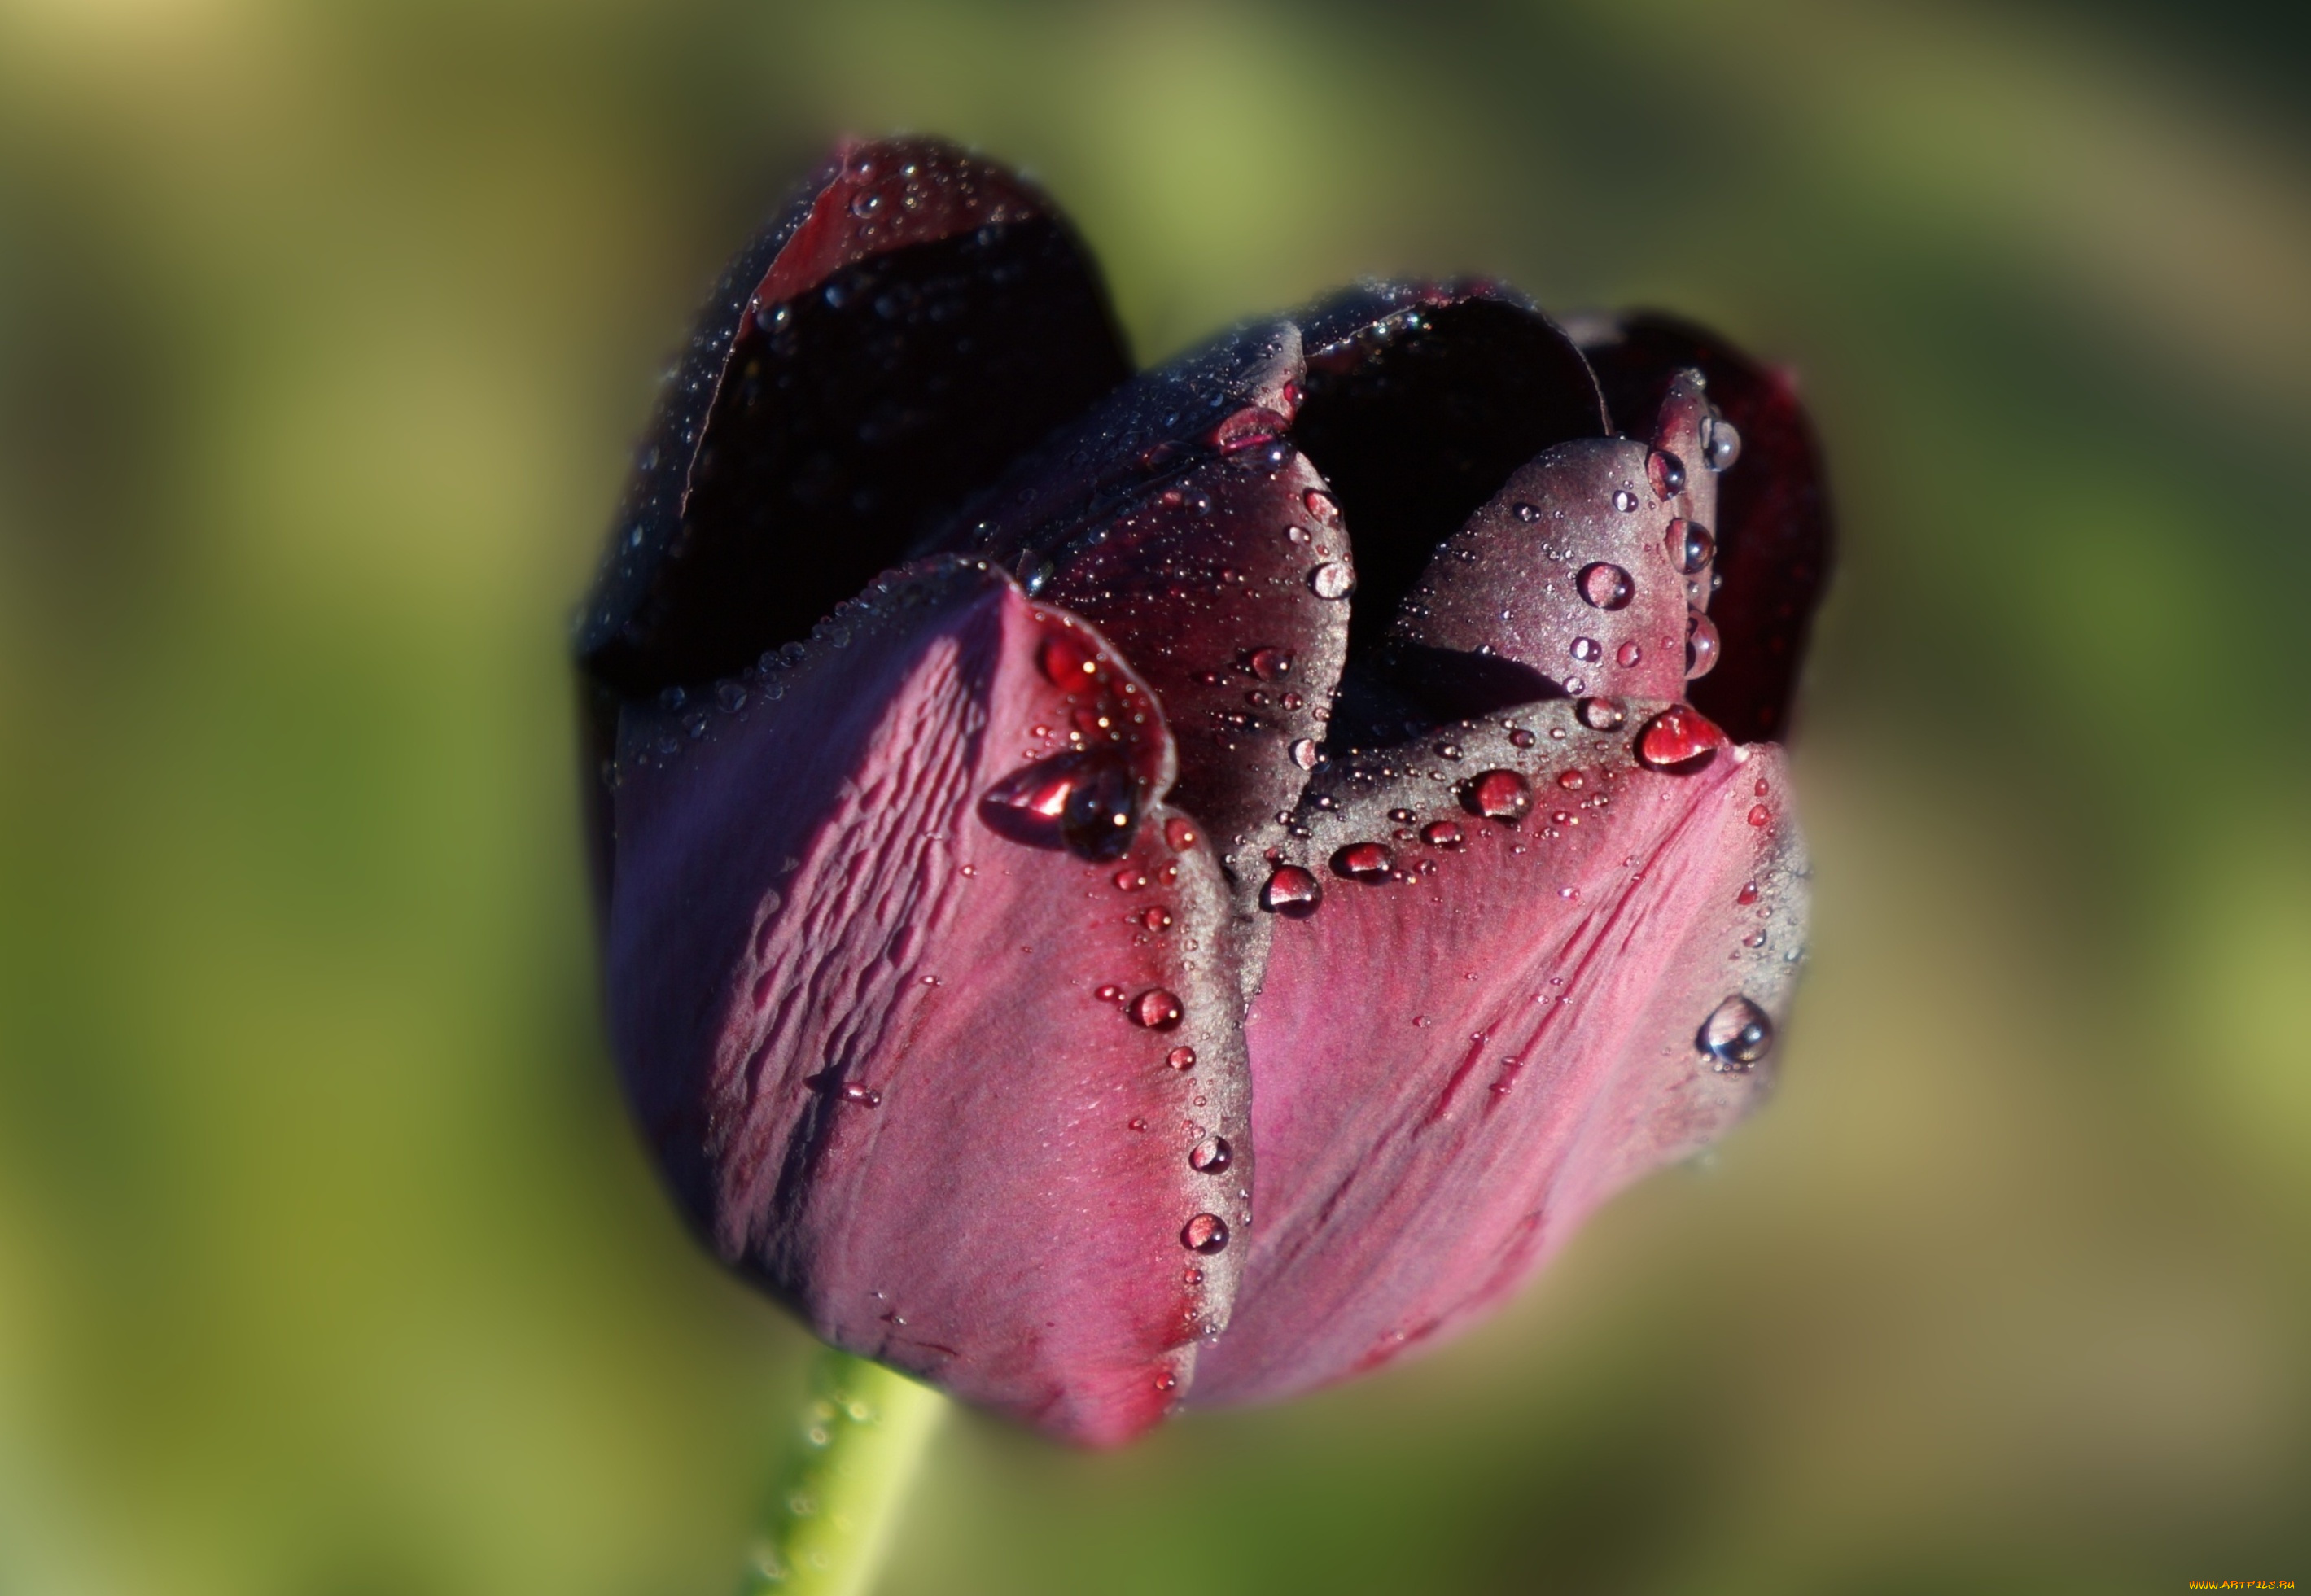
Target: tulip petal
1570	574
1527	983
917	989
1177	519
913	320
1773	532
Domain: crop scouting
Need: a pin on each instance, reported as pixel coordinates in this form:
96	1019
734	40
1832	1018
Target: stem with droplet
863	1434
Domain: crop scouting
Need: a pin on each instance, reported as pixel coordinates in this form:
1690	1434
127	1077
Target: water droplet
1499	794
1628	654
1690	546
1068	661
1156	1009
1571	781
863	206
1721	442
1322	505
1527	513
1332	580
1136	1123
1304	753
1519	737
1600	714
1680	740
1607	586
1701	644
1206	1233
1666	472
1130	878
1158	918
1270	664
1363	861
1760	815
1181	1057
1737	1033
1110	993
1624	501
864	1096
731	696
1586	649
1442	833
1748	895
1211	1155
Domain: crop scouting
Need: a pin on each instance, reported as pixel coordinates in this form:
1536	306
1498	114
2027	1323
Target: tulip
1122	890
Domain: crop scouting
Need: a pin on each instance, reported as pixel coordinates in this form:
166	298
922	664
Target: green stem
862	1435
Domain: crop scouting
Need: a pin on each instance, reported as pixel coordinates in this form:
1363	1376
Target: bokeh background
326	1263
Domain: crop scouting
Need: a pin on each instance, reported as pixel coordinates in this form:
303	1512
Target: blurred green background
327	1264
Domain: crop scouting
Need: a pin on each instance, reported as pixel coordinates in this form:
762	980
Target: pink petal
1491	1024
935	1078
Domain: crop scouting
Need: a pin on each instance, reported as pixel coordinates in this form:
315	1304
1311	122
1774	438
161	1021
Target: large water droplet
1701	646
1364	862
1499	794
1721	442
1156	1009
1607	586
1690	546
1270	664
1680	741
1068	661
1321	506
1211	1155
1206	1233
1291	891
1736	1034
1586	649
1304	753
1332	580
1666	472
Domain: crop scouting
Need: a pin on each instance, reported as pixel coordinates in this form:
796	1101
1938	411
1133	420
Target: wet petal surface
914	982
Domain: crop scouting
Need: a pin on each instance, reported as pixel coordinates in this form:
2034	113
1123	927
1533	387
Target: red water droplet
1068	661
1158	918
1442	833
1110	993
1666	472
1690	546
1291	891
1748	895
1130	878
1628	654
1322	505
1680	740
1760	814
1761	788
1600	714
1572	780
1586	649
1363	861
864	1096
1519	737
1248	428
1179	834
1270	664
1136	1122
1211	1155
1607	586
1156	1009
1181	1057
1499	794
1206	1233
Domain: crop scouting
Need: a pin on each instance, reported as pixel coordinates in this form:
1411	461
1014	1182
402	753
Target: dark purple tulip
1028	791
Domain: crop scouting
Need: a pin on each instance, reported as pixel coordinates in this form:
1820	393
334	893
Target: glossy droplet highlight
1701	646
1736	1034
1499	794
1690	546
1748	895
1442	833
1760	815
1628	654
1156	1009
1321	506
1087	802
1721	442
1332	580
1211	1155
1600	714
1205	1233
1180	833
1527	513
1304	753
1364	862
1624	501
864	1096
1181	1057
1068	661
1607	586
1586	649
1679	741
1666	472
1291	891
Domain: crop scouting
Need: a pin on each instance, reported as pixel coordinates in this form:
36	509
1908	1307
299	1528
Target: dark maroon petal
913	320
917	1042
1772	533
1178	518
1569	974
1421	398
1568	581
